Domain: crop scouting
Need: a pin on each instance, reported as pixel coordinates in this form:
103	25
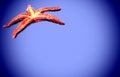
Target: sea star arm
30	10
15	20
45	9
22	26
51	18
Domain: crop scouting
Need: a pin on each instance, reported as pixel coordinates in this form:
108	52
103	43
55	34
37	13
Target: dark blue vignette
4	69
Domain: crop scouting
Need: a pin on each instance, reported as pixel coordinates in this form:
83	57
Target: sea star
32	16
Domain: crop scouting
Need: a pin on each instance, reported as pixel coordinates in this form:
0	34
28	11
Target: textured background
87	46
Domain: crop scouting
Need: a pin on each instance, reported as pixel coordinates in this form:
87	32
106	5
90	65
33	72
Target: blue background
87	45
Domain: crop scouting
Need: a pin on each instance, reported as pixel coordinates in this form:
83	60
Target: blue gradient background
87	46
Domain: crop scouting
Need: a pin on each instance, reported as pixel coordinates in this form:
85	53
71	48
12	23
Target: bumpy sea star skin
30	16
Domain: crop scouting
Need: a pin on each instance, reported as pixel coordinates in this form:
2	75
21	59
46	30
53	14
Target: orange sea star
31	15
